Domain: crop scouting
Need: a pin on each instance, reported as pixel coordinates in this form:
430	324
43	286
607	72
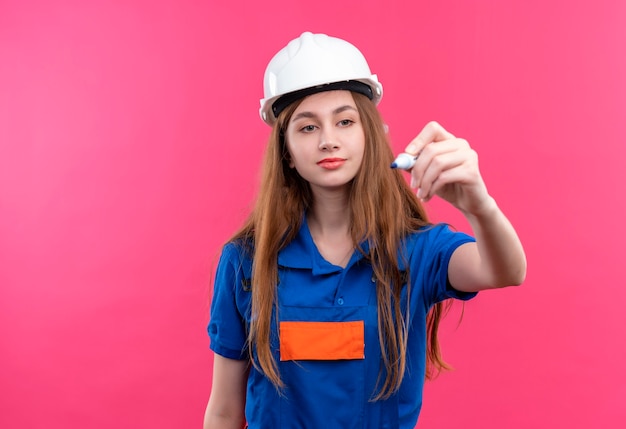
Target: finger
459	175
432	132
431	152
440	167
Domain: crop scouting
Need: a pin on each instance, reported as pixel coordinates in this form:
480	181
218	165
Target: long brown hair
383	210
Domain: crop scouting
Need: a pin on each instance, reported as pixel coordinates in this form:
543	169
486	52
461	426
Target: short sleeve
434	246
227	326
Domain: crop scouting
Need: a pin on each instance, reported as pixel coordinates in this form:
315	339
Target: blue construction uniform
332	394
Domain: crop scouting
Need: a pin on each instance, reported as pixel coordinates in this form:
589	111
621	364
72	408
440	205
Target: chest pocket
322	340
328	352
321	352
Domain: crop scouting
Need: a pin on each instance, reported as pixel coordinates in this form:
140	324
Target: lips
331	163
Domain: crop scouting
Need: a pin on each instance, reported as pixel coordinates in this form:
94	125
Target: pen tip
394	165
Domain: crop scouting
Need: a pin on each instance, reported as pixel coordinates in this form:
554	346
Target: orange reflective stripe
322	340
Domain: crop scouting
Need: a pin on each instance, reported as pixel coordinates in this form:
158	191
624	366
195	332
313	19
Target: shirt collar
302	253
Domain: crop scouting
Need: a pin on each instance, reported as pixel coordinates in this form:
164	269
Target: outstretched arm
448	167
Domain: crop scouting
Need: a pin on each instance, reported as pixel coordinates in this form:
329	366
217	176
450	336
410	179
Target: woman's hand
448	167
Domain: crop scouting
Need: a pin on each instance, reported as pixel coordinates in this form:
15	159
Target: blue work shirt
334	393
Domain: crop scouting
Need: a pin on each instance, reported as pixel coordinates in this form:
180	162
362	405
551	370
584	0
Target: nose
328	140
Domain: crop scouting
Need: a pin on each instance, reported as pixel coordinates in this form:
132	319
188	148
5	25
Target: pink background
130	146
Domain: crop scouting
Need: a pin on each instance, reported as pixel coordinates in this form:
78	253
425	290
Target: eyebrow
337	111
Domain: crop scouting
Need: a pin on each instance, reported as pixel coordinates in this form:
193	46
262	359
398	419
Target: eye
345	122
308	129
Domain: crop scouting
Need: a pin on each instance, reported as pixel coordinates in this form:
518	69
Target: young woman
327	301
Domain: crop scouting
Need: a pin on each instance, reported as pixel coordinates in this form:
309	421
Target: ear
289	160
287	155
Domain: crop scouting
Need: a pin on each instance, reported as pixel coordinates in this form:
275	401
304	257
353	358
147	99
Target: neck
329	214
329	223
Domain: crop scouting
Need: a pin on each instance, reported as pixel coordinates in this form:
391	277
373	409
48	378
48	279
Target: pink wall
118	124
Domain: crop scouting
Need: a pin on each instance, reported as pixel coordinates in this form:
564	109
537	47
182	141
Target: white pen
405	161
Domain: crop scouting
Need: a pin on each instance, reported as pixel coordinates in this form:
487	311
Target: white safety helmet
314	63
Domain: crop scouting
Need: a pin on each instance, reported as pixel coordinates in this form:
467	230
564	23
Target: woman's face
325	139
